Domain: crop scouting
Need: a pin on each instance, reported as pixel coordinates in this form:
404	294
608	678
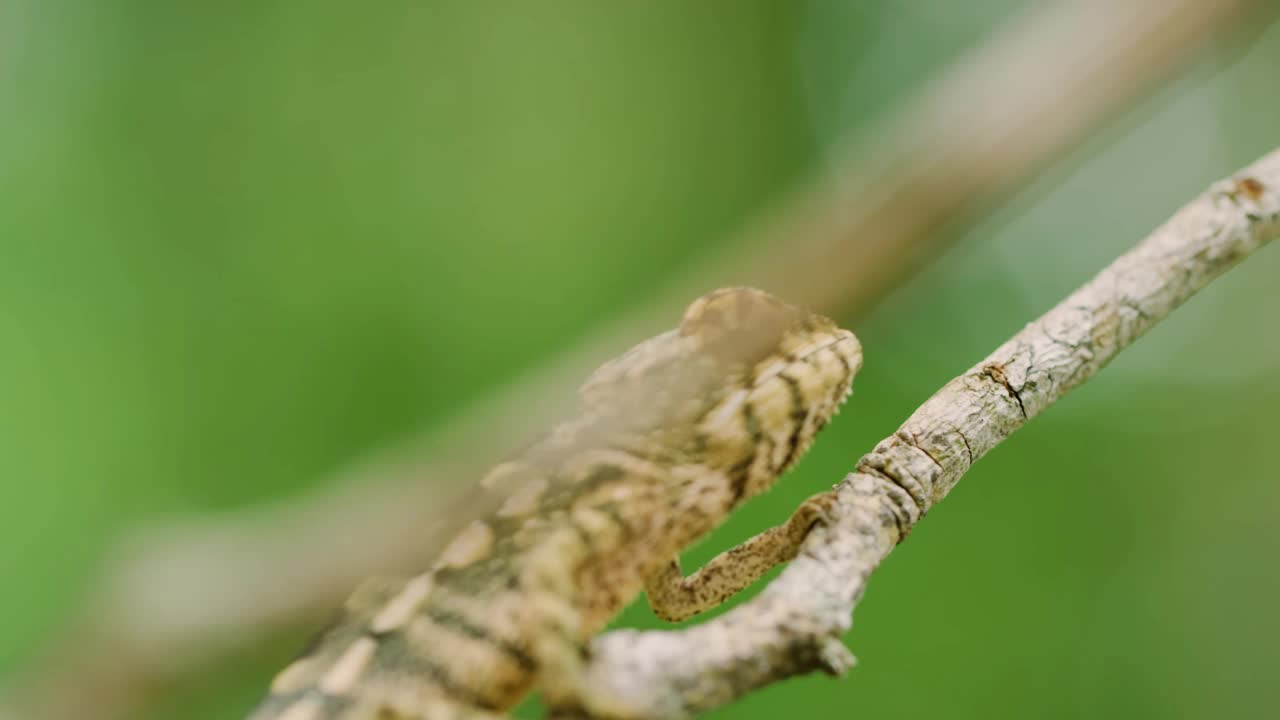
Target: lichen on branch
794	625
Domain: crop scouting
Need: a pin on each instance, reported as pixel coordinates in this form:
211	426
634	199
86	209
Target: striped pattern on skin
668	439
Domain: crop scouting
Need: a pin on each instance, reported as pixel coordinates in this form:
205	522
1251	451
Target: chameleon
667	440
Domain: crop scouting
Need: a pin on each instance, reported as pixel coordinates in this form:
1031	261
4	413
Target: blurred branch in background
173	598
795	625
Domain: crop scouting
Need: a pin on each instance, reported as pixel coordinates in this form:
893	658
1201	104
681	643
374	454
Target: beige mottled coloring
669	438
403	606
346	671
525	500
500	475
472	545
294	677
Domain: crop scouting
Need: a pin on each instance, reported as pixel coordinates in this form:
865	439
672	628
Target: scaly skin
669	438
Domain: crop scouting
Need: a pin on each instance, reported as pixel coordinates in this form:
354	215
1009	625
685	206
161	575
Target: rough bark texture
175	597
794	625
984	125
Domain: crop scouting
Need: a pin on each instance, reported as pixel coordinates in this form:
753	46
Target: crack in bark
913	440
968	448
885	496
996	373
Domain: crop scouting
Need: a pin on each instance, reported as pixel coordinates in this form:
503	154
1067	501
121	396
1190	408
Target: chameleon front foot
674	597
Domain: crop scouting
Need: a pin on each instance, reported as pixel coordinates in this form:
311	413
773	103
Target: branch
794	625
175	597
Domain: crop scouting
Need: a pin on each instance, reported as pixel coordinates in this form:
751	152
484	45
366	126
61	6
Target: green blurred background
242	243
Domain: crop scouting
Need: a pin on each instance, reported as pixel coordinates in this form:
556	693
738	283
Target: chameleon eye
739	323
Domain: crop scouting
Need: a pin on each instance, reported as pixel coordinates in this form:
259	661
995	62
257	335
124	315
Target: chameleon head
741	387
790	371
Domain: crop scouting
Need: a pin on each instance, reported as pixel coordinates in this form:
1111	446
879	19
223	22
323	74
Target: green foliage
241	243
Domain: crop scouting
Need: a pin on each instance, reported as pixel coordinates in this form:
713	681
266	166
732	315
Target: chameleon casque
668	439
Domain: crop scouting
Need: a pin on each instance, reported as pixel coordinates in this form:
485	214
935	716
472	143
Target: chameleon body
668	439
